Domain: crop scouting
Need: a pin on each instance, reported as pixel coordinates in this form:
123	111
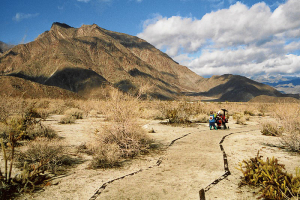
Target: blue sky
212	37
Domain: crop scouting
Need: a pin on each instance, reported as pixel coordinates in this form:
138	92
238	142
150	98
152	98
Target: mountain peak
59	24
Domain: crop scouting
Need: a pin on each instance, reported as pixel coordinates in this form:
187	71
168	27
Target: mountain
101	58
13	87
88	60
234	88
289	86
270	99
4	47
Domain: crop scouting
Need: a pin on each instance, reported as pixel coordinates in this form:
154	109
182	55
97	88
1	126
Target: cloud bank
250	41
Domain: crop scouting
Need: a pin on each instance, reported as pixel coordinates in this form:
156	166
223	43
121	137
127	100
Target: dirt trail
190	164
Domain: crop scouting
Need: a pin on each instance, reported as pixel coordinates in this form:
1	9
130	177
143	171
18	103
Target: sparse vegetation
240	118
121	136
69	119
124	137
271	177
271	129
47	154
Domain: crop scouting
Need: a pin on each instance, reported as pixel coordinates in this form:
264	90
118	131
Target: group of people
215	118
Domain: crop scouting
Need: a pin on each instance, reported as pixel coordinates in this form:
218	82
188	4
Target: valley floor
188	165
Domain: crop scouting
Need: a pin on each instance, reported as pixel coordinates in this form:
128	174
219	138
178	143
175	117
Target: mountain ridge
90	58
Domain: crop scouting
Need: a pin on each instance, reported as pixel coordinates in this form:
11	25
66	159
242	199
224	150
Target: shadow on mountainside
76	79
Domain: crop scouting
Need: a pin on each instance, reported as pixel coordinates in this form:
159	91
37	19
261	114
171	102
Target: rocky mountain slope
18	87
4	47
88	59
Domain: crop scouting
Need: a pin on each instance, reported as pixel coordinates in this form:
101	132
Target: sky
253	38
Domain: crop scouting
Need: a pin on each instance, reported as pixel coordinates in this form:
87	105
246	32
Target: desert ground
189	159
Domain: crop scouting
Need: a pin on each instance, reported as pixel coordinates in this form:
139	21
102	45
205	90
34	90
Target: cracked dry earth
190	164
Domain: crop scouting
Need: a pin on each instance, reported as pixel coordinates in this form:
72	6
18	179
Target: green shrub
271	177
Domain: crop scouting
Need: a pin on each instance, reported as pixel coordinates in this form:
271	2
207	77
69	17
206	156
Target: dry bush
271	129
122	137
201	118
248	112
39	130
177	112
47	153
289	116
75	112
240	118
105	156
67	119
291	137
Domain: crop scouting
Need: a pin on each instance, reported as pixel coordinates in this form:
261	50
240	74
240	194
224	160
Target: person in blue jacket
212	121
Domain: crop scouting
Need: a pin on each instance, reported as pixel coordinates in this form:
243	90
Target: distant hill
270	99
234	88
291	86
4	47
90	59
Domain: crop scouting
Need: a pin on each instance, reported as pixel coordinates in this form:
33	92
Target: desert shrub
291	137
27	126
270	129
69	119
201	118
47	154
75	112
248	112
122	137
240	118
289	116
271	177
39	130
106	156
131	138
178	112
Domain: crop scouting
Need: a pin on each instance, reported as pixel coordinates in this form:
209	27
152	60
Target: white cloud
238	40
20	16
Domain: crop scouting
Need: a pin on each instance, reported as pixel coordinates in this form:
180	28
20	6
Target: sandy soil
190	164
